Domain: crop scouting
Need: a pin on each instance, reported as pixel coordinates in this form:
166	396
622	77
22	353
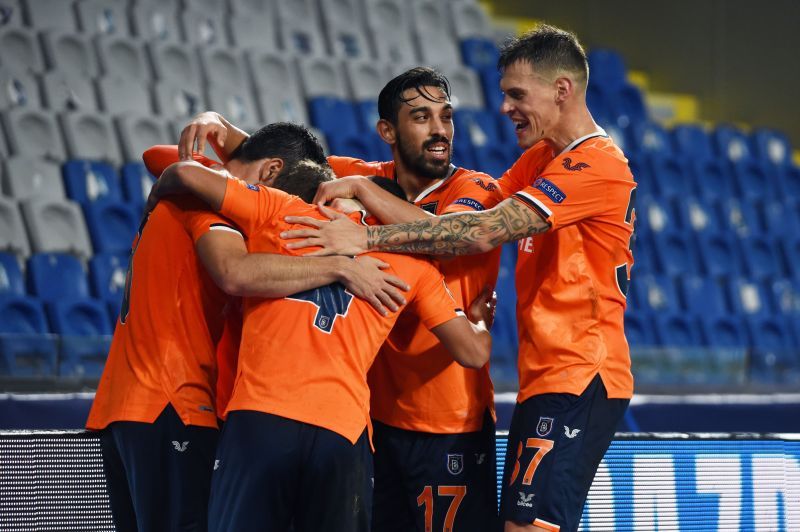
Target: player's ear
386	131
564	88
270	170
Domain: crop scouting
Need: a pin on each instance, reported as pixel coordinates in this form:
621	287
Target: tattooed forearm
459	234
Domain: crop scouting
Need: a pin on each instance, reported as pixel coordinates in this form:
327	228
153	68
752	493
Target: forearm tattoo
458	234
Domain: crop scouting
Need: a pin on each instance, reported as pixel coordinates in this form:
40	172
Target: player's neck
571	127
412	184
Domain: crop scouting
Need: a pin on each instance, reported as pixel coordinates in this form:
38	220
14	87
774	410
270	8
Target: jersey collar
575	143
422	195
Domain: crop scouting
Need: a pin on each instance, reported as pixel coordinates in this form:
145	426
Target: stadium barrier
53	480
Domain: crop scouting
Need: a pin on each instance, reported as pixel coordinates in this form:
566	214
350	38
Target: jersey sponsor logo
331	301
550	190
544	426
252	187
471	203
525	501
430	207
479	458
489	187
455	464
570	433
577	167
180	447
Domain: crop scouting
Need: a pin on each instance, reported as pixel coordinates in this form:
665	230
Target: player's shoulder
343	166
596	156
476	178
409	266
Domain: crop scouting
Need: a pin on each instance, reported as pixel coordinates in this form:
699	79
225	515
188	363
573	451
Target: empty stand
87	181
112	225
90	136
136	183
299	28
155	20
70	52
33	133
11	279
13	237
344	25
253	24
174	100
389	26
66	91
122	57
137	133
29	177
56	226
19	50
25	351
19	89
103	17
278	90
436	45
203	28
120	96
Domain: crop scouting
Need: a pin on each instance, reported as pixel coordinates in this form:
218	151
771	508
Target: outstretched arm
190	177
382	204
469	341
465	233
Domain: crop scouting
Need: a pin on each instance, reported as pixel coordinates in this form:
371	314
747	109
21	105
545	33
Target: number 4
426	498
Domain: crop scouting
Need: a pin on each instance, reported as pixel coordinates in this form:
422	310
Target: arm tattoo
459	234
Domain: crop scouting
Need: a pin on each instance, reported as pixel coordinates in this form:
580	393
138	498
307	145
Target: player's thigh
255	474
335	484
392	508
558	441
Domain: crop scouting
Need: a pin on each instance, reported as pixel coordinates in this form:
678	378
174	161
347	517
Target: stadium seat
88	181
761	257
365	79
11	280
470	21
640	168
20	90
120	96
107	272
33	133
13	237
137	133
731	143
136	183
744	218
676	330
465	87
753	181
628	105
600	105
19	50
65	91
334	116
650	138
322	78
478	128
703	296
90	136
723	331
223	66
299	27
11	11
430	25
607	67
719	254
493	96
155	21
174	62
174	101
204	27
693	143
25	350
235	103
791	251
639	329
749	298
670	176
480	53
50	14
103	17
675	254
389	26
84	328
786	296
278	90
55	276
56	226
654	215
772	147
711	180
257	30
698	216
789	181
121	57
782	218
345	29
70	52
773	358
112	225
29	177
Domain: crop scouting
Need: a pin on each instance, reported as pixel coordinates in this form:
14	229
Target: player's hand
347	206
204	126
366	280
483	307
340	236
345	187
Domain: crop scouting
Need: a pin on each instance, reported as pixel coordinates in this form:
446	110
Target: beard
417	163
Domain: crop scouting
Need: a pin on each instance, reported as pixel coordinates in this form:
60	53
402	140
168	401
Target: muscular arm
469	343
381	203
190	177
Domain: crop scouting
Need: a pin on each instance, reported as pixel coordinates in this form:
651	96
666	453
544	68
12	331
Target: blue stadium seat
723	331
703	296
719	254
88	181
477	127
639	329
743	217
791	251
773	358
600	105
760	257
654	215
650	138
711	180
731	143
786	296
481	54
107	273
697	215
11	279
367	114
658	293
339	121
640	168
490	83
753	181
675	254
782	218
504	331
463	155
750	299
25	350
629	106
643	261
789	181
676	330
136	183
112	225
54	276
693	143
772	147
85	330
607	67
671	176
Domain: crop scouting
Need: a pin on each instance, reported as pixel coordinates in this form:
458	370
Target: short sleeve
251	206
198	223
345	166
433	303
525	169
477	192
569	190
158	158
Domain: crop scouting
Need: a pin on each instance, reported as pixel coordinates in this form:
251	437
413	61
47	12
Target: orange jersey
305	357
572	279
415	383
163	349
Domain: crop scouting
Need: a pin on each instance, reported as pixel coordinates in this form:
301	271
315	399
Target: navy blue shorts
555	444
158	474
429	481
273	473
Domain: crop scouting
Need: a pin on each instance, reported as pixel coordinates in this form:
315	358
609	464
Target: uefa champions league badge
455	464
544	426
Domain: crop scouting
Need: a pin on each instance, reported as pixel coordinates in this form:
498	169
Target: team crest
544	426
455	464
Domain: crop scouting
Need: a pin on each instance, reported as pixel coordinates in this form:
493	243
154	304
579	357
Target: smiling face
531	101
424	132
